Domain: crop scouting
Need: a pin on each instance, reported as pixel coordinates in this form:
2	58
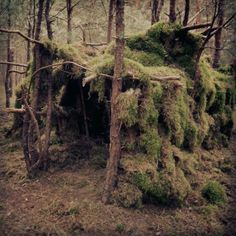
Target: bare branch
88	79
21	34
17	71
13	63
194	27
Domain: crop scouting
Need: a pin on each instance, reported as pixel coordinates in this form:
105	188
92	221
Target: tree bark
7	76
69	17
198	18
110	20
186	12
48	21
112	165
154	11
216	56
172	13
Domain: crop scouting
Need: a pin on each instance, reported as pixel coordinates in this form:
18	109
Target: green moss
120	228
214	193
128	107
151	142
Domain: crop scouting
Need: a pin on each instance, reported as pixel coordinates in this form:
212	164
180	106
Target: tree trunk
30	151
29	30
198	18
172	13
48	21
154	11
186	12
112	165
110	20
161	4
7	76
69	15
217	50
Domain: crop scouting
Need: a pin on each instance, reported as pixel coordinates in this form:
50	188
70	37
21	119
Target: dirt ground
68	202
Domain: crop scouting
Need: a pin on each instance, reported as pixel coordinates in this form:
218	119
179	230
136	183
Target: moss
127	195
214	193
128	107
120	228
151	142
209	210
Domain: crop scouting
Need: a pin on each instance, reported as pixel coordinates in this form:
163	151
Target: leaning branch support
21	34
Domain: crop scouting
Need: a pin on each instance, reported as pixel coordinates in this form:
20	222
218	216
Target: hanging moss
128	107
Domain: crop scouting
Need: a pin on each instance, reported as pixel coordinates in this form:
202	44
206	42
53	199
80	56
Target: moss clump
151	142
128	107
214	193
127	195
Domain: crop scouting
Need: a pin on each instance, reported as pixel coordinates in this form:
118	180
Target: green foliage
214	193
120	228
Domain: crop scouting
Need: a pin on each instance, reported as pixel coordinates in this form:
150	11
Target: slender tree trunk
7	76
154	11
217	50
30	152
172	12
138	4
110	20
198	18
112	165
159	9
48	21
186	12
29	30
69	15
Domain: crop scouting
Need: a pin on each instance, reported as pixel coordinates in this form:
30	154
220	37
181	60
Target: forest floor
68	202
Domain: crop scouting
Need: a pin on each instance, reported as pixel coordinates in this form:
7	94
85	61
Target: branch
222	26
21	34
69	62
88	79
95	44
14	110
193	27
165	78
195	16
13	63
17	71
27	107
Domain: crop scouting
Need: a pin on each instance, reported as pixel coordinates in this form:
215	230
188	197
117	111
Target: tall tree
115	146
172	12
48	20
218	38
9	57
157	6
154	11
186	12
110	20
69	10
